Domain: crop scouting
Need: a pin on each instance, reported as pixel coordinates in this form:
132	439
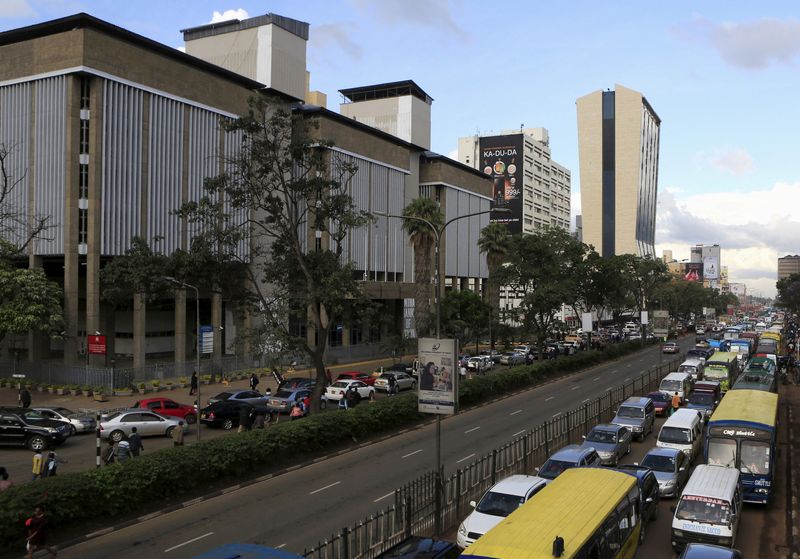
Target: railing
414	509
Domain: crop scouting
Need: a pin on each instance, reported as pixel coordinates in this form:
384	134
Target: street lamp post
197	348
437	233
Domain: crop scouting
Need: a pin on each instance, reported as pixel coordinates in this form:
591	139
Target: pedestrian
328	377
135	441
306	404
343	402
25	398
267	391
51	464
110	452
297	411
244	418
258	418
5	483
392	385
253	381
676	403
193	383
37	532
123	452
353	397
177	434
37	468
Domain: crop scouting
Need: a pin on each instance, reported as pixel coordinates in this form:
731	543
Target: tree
494	241
283	182
17	228
139	271
465	316
543	266
423	240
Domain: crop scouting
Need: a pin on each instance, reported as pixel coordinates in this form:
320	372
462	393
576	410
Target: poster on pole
586	322
206	339
438	376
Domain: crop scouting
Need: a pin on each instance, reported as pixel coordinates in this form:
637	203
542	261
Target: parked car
27	427
611	442
356	375
670	347
499	501
403	380
249	396
571	456
78	422
335	391
225	414
709	551
671	467
637	414
285	398
417	547
477	365
298	382
661	402
118	425
512	358
494	355
168	406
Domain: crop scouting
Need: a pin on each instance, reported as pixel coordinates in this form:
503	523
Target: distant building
788	265
579	227
618	142
709	258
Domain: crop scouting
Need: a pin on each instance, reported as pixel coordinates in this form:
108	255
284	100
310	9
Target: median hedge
140	483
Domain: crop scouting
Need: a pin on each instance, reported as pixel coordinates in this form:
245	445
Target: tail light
211	415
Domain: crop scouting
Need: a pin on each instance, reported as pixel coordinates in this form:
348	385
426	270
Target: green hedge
137	484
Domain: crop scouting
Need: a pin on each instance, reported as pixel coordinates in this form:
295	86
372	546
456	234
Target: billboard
438	376
693	272
711	268
502	159
661	324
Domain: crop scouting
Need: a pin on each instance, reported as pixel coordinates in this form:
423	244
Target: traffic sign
96	345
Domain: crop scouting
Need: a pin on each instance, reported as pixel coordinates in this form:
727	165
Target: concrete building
526	179
788	265
618	142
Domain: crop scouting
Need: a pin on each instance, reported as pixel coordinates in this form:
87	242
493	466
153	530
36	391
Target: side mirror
682	469
636	463
473	504
648	500
536	470
583	437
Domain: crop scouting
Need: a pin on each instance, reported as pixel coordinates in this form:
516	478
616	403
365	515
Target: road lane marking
280	546
326	487
517	433
577	386
412	453
188	542
465	458
382	498
515	412
468	431
596	378
550	398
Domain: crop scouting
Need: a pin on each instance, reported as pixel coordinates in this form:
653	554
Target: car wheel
371	395
37	442
190	418
227	424
72	430
641	532
323	404
169	431
413	386
116	436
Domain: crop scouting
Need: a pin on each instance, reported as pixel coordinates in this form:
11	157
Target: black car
708	551
225	413
416	547
26	427
649	496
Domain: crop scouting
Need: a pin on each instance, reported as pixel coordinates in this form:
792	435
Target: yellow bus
722	367
585	513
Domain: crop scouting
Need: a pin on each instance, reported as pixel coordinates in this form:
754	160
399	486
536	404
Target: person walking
297	411
25	398
392	385
110	452
193	384
123	452
37	532
135	441
328	377
37	468
253	381
177	434
676	403
244	418
5	483
51	464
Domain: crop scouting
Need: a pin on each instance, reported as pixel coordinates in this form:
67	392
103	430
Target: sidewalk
788	521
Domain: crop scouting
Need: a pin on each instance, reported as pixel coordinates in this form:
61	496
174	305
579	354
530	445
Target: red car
168	407
661	402
366	378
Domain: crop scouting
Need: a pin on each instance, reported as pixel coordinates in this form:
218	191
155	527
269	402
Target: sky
723	76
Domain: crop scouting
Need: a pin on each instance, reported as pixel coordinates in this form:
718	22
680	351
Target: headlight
605	454
677	533
50	429
462	529
761	491
724	541
637	428
669	483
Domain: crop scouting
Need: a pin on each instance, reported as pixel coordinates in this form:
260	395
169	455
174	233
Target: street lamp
437	232
197	353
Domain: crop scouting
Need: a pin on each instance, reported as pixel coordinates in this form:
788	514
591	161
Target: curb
794	536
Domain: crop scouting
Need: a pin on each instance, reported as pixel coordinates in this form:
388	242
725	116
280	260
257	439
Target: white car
335	391
78	422
477	364
497	503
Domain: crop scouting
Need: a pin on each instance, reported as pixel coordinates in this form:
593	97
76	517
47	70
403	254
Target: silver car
512	358
611	442
671	467
403	381
118	425
78	422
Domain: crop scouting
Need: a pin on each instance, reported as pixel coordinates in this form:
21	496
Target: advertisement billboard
661	324
438	376
501	159
710	268
693	272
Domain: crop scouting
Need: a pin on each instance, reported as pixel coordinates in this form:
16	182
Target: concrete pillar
72	293
139	322
247	324
216	322
94	220
180	325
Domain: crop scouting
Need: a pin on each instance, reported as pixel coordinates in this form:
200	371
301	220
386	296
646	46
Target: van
694	367
709	508
637	414
680	383
682	430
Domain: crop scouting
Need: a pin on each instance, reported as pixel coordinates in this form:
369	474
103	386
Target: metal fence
416	511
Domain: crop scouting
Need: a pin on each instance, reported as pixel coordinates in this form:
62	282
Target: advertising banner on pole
586	321
438	376
661	324
206	339
501	159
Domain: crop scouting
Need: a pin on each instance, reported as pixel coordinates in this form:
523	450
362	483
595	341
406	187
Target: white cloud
327	36
735	161
16	8
436	14
227	15
453	154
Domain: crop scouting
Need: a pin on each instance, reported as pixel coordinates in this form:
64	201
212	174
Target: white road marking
280	546
326	487
515	412
596	378
468	431
465	458
518	433
382	498
550	398
577	386
188	542
412	453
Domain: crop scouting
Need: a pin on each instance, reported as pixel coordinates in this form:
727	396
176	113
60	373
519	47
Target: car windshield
703	509
703	398
32	414
671	385
283	394
754	458
716	372
658	397
63	411
553	468
598	436
386	376
499	504
630	411
722	452
659	463
112	416
675	435
337	384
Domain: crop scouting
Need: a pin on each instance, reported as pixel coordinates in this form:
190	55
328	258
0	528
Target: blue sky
722	76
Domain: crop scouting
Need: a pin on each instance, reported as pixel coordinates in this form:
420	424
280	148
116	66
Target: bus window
754	458
722	452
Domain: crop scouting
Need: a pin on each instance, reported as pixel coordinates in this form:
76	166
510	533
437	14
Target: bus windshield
754	458
722	452
716	372
703	509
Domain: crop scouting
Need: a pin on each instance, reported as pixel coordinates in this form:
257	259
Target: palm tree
494	242
422	239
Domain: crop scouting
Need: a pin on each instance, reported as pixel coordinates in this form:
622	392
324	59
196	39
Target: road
299	508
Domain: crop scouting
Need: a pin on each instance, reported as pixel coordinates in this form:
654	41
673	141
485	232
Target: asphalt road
304	506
